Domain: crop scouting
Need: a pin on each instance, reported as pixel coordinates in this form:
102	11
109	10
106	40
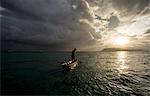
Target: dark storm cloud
45	22
55	24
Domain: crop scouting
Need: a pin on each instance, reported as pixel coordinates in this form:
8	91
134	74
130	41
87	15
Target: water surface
119	73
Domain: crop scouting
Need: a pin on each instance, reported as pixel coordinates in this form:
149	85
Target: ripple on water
101	74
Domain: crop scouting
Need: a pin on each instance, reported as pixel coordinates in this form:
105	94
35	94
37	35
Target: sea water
119	73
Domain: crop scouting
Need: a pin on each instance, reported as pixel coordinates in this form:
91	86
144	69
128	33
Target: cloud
64	24
138	27
129	8
147	32
45	22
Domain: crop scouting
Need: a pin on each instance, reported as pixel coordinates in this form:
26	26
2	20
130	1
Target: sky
64	24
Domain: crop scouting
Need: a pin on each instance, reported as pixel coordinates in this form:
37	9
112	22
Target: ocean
118	73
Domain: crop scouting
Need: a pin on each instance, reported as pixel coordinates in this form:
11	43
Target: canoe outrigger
70	65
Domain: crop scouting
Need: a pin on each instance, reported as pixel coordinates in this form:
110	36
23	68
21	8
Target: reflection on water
122	66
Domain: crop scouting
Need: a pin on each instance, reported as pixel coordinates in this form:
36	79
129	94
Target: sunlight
122	62
121	41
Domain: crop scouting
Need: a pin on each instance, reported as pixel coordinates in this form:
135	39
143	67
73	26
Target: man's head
75	49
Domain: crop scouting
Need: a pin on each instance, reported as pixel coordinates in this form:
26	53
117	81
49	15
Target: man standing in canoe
73	55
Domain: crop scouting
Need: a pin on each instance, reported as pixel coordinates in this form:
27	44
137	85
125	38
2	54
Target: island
121	49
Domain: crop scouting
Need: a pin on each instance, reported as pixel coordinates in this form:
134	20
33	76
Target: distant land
121	49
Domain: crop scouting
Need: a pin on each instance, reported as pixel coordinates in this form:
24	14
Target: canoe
70	65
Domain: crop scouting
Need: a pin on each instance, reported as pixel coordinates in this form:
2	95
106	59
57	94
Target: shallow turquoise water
99	73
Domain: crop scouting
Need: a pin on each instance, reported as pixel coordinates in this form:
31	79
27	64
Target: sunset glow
122	41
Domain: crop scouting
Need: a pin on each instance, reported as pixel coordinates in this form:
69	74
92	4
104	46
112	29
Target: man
73	54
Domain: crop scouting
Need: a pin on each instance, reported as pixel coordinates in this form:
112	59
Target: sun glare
121	41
